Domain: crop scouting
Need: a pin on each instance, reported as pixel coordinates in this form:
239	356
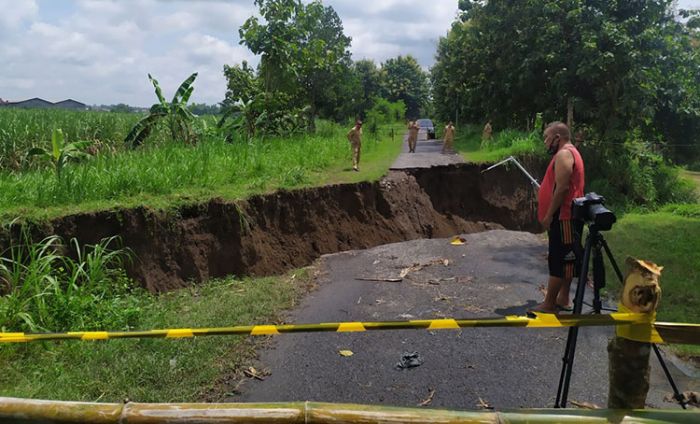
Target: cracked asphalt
495	273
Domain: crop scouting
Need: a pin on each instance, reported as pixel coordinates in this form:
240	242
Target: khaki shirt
355	135
449	133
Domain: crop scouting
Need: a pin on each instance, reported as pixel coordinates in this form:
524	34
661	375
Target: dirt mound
269	234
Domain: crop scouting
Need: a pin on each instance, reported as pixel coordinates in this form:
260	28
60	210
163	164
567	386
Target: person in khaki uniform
412	136
355	139
449	137
486	134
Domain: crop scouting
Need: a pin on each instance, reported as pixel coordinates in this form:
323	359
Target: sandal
563	308
539	310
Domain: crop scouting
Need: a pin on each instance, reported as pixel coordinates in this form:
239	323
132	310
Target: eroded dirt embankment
269	234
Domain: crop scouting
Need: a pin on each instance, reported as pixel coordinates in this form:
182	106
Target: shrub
687	210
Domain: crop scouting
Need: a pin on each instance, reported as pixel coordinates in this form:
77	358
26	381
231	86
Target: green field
168	174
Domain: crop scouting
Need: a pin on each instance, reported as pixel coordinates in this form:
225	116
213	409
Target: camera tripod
595	244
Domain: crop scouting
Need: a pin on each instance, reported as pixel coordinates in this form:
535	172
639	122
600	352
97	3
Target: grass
21	129
173	174
156	370
694	177
668	238
505	143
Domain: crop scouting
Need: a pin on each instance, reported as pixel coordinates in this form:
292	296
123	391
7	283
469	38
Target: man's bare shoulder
564	156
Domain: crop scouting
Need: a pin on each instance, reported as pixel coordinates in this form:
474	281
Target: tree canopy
614	66
403	79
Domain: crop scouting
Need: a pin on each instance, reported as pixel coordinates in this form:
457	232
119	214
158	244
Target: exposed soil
268	234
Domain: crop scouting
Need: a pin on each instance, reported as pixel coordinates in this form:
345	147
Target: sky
100	51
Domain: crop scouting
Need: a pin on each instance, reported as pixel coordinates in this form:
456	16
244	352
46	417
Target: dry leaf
345	352
253	373
429	399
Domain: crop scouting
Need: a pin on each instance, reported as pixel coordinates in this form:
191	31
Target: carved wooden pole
629	359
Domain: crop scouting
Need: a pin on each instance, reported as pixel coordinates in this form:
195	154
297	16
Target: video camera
590	209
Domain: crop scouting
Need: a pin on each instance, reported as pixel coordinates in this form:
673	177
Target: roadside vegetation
153	370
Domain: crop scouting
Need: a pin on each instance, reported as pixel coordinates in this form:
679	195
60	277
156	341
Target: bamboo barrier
30	411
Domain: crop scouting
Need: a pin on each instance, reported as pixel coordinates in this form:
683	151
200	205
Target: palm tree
176	114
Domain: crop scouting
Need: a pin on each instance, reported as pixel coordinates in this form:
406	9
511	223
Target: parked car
427	125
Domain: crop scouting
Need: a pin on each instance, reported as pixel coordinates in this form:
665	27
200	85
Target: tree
276	40
305	53
175	112
614	66
200	109
121	108
403	79
369	83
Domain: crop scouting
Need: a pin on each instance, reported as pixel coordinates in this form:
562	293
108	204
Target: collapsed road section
271	233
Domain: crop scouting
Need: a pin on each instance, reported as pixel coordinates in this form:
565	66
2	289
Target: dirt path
495	273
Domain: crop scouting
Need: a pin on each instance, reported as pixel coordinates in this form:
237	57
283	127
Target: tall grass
42	290
21	129
157	370
174	170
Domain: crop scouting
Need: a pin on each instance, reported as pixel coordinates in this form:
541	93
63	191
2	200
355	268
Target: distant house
37	103
70	104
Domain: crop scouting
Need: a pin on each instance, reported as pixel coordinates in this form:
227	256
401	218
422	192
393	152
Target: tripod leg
612	259
570	351
676	394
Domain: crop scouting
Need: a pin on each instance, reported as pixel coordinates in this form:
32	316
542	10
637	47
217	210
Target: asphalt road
428	153
495	273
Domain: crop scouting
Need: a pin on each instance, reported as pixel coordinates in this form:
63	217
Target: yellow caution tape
634	326
641	332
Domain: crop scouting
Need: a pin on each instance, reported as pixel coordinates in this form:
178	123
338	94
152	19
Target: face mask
553	149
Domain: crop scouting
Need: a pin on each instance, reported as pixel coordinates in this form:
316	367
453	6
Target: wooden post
629	359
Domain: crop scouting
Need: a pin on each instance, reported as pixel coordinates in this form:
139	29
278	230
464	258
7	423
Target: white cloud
100	51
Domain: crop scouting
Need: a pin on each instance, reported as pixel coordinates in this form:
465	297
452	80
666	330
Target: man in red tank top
563	181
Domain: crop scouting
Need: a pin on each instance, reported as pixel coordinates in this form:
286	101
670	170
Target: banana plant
175	113
61	153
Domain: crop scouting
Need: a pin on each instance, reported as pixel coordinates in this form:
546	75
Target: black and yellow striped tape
661	332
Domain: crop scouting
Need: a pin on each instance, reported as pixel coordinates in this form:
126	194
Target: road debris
483	405
458	241
346	352
584	405
253	373
409	360
691	398
388	279
429	399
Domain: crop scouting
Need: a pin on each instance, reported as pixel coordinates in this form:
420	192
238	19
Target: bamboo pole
31	411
